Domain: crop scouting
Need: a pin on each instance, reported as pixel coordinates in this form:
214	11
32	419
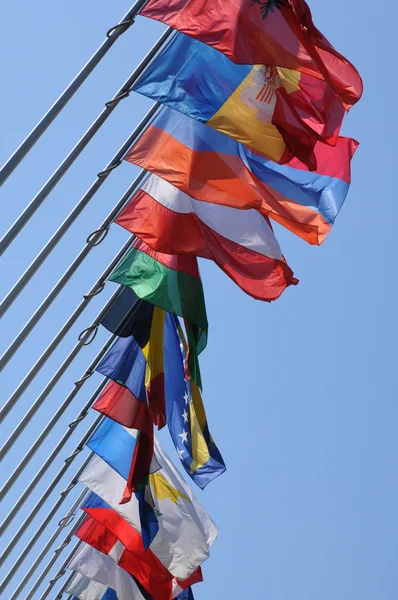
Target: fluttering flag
153	577
172	283
117	440
263	32
278	112
241	243
186	531
212	167
137	362
147	570
82	588
99	567
186	417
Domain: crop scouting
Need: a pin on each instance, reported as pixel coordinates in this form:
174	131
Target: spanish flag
266	32
279	112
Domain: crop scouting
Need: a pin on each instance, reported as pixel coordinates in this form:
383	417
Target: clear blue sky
301	394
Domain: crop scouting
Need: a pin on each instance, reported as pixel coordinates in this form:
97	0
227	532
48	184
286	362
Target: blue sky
300	394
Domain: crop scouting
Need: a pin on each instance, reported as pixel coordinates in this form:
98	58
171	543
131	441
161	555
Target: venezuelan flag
278	112
212	167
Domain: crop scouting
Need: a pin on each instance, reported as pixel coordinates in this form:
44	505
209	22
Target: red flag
270	32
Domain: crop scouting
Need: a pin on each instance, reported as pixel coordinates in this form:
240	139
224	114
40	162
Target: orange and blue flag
278	112
210	166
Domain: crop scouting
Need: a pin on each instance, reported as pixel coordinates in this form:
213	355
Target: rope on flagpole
32	451
67	462
112	35
84	338
71	218
94	239
64	522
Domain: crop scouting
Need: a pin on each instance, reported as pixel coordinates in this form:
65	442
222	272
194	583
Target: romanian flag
263	32
186	417
278	112
173	284
241	242
212	167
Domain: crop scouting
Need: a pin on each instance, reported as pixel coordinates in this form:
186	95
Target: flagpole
63	588
48	248
61	571
93	240
32	451
112	35
122	93
87	334
63	494
94	291
64	522
85	337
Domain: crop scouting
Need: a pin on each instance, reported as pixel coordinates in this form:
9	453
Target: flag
186	595
119	404
186	531
82	588
263	32
137	362
278	112
131	539
117	441
173	284
241	243
128	315
186	417
212	167
156	581
99	567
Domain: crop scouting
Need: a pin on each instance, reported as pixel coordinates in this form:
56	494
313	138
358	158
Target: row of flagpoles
244	130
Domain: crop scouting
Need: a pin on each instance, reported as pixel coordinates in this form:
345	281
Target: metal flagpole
93	240
64	522
11	545
82	143
95	290
32	451
61	571
48	248
84	337
65	587
112	35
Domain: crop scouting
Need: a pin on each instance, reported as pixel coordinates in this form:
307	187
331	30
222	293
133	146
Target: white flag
102	569
185	529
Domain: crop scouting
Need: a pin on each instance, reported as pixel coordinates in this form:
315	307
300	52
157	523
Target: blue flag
186	417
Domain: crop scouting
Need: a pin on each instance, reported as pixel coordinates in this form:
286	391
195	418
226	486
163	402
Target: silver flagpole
95	290
93	240
85	337
111	37
32	451
61	525
11	545
61	571
71	218
123	92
